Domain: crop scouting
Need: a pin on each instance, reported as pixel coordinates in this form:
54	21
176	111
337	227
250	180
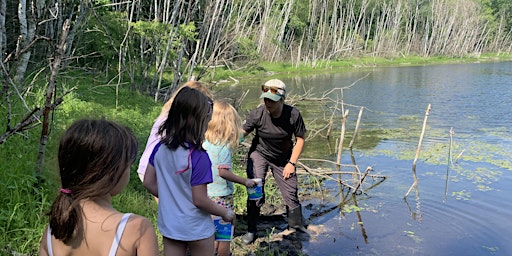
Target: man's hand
288	171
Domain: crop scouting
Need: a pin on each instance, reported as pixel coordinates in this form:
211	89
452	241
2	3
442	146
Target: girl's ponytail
65	217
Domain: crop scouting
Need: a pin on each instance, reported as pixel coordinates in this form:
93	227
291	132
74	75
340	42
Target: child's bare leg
202	247
174	247
215	247
223	249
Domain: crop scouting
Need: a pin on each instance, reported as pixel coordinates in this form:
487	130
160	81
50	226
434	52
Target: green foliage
101	37
136	199
246	50
152	31
489	15
296	25
240	195
500	8
187	31
101	2
153	37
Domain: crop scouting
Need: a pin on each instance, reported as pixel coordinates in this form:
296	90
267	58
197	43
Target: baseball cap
273	89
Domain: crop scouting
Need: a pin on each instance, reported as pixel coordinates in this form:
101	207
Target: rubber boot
253	213
295	219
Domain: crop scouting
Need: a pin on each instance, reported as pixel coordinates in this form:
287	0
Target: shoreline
228	74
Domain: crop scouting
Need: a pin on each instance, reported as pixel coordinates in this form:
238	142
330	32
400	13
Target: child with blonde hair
222	138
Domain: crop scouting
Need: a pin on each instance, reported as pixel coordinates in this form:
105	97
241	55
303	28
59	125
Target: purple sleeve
201	168
152	156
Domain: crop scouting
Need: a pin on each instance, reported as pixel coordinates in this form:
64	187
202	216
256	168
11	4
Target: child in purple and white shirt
178	172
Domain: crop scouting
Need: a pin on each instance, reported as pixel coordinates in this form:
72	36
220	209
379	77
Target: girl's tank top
115	243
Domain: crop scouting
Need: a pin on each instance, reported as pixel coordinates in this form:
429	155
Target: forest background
121	59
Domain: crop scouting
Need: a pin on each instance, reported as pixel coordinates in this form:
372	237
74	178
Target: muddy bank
273	237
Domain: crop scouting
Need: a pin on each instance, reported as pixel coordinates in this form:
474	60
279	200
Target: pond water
462	206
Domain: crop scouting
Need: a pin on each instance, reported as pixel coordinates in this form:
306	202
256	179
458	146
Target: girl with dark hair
183	169
154	138
94	161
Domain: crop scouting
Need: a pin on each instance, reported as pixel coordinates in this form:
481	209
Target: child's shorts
225	201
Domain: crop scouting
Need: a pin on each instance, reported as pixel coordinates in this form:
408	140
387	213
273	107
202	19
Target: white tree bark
2	28
27	28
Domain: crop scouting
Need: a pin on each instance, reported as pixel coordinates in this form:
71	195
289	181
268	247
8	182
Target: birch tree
27	29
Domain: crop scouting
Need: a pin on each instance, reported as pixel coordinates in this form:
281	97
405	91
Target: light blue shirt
221	157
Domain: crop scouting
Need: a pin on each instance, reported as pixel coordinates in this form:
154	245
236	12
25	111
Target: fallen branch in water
368	169
329	174
317	173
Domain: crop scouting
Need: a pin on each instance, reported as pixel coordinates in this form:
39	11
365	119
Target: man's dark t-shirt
273	139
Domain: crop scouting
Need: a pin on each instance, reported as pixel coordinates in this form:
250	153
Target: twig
459	155
8	78
32	118
450	163
317	182
368	169
310	171
357	127
322	160
342	136
415	184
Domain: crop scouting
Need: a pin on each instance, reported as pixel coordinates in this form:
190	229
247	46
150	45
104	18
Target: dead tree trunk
357	127
342	136
3	7
415	184
50	93
122	52
27	32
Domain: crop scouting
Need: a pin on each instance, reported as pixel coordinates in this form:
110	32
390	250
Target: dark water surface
474	217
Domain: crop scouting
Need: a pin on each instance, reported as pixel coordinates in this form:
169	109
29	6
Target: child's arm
230	176
202	201
147	242
150	182
43	250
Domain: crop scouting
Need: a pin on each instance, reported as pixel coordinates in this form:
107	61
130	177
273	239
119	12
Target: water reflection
416	213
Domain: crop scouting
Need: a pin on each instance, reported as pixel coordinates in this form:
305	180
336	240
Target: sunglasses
272	90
